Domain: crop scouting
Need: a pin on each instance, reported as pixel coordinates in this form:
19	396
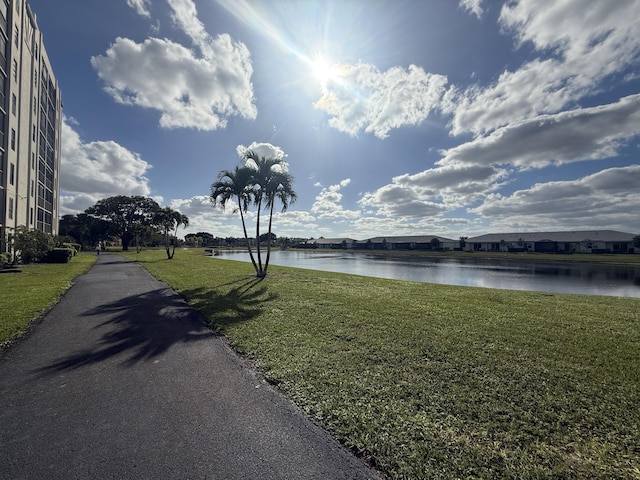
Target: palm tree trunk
260	271
246	237
266	264
173	250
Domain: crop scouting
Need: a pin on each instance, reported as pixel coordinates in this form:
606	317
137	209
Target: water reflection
589	279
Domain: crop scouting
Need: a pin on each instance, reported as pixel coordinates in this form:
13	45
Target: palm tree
280	188
271	182
239	184
170	220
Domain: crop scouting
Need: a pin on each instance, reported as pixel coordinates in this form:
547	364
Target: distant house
586	241
412	242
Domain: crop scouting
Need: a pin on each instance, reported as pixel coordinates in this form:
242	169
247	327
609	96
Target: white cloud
203	217
470	172
606	199
433	192
294	224
190	90
396	200
473	6
575	27
199	205
140	6
455	185
576	135
372	226
580	42
265	150
328	203
98	169
361	98
185	16
226	223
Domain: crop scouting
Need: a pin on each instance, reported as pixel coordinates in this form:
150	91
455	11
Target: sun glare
323	70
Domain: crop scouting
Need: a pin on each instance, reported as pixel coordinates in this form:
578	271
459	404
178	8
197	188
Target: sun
323	70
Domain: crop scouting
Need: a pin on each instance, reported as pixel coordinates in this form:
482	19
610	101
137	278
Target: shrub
32	245
59	255
75	247
5	259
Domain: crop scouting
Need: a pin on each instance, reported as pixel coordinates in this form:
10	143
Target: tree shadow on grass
143	327
243	300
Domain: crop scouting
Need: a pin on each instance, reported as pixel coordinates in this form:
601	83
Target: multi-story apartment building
30	126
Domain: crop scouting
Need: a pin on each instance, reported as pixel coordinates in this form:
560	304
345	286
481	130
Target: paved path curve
121	380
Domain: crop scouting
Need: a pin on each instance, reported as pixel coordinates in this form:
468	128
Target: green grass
435	381
27	295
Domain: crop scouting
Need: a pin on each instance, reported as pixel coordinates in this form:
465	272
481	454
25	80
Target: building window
13	139
33	188
12	173
31	216
33	161
3	85
33	136
10	208
3	50
17	37
14	104
15	70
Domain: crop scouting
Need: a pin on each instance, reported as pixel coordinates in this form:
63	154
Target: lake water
587	279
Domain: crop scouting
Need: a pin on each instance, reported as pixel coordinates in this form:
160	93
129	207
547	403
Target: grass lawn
26	295
436	381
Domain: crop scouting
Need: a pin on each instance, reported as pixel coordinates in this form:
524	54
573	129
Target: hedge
59	255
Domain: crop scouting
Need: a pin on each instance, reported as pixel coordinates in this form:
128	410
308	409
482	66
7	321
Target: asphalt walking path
122	380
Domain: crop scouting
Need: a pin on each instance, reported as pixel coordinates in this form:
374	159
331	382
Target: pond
558	277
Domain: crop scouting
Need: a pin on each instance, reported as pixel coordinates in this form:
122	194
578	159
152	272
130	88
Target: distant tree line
131	219
206	239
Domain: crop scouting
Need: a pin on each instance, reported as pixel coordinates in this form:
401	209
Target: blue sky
396	117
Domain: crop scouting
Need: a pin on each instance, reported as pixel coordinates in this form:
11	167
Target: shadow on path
144	326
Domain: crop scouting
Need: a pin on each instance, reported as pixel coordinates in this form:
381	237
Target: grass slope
26	295
436	381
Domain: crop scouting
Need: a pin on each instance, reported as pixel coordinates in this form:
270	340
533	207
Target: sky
404	117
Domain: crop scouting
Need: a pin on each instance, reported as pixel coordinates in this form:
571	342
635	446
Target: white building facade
30	126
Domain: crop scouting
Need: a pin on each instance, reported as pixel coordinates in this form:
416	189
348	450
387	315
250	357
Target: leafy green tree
169	221
193	240
207	239
85	229
266	237
129	216
32	246
236	184
146	234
